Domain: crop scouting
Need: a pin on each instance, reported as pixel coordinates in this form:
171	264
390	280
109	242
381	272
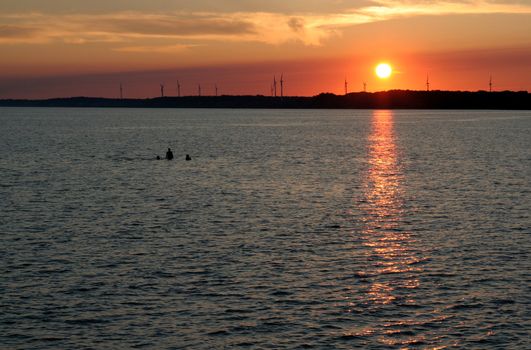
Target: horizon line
262	95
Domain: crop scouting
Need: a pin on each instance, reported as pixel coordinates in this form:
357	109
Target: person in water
188	157
169	154
158	157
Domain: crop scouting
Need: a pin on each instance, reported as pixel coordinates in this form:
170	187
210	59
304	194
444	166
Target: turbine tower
427	82
490	83
216	88
364	87
178	89
275	85
161	90
346	86
121	92
282	85
199	90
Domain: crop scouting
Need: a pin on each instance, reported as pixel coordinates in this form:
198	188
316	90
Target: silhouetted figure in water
158	157
169	154
188	157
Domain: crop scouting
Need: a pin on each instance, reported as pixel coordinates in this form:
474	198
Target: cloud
296	23
11	31
264	27
124	27
20	34
170	25
154	48
387	9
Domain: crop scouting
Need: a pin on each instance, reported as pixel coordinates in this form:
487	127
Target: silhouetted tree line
394	99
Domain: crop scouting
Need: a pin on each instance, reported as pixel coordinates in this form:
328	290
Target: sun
383	70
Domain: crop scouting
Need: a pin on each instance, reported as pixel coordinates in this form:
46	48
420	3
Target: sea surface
289	229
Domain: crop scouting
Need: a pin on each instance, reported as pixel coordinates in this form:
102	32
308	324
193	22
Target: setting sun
383	70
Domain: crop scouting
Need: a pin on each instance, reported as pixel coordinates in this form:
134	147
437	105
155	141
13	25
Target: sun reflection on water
389	245
384	177
391	259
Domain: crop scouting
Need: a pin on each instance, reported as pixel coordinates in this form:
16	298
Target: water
288	229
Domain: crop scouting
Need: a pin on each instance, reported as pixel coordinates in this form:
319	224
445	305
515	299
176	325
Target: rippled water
288	229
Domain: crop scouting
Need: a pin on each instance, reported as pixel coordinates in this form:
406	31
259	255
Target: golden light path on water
391	270
385	203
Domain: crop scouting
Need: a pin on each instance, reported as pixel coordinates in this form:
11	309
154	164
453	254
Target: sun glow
383	70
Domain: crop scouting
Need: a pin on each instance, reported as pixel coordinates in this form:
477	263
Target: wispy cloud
154	48
132	28
387	9
12	31
20	34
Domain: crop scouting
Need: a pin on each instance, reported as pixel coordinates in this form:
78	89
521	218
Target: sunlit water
288	229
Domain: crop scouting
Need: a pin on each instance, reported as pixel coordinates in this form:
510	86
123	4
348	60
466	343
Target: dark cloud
11	31
176	26
296	24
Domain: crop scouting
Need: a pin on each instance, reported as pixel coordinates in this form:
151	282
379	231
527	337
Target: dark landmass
394	99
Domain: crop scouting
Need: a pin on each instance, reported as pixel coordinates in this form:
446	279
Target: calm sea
289	229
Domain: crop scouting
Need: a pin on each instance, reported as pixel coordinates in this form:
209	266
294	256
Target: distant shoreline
394	99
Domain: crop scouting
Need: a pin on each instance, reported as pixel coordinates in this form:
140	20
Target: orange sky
72	48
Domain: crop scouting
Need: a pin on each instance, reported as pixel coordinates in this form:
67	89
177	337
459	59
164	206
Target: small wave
466	306
281	293
245	344
50	339
399	333
86	321
358	333
239	311
503	301
218	333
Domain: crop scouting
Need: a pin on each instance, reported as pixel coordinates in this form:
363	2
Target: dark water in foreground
289	229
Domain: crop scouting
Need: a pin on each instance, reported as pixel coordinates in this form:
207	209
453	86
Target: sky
63	48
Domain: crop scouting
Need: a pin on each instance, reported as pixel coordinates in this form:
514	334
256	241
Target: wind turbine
282	85
346	86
